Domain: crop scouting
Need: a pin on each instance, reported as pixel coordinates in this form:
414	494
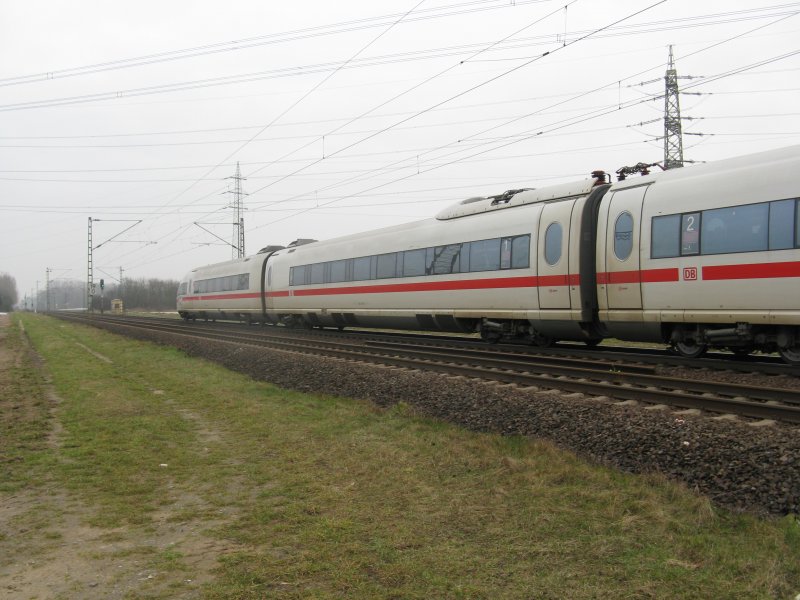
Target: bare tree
8	292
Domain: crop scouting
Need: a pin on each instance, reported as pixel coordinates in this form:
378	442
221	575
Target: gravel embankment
737	465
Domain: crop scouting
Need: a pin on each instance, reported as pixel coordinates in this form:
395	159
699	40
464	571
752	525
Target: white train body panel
230	288
724	277
452	300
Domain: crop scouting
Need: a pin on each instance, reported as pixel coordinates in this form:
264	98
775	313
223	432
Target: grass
24	424
318	497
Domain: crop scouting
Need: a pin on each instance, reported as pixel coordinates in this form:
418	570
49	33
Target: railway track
617	376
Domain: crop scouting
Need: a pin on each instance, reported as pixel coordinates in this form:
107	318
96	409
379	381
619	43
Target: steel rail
611	381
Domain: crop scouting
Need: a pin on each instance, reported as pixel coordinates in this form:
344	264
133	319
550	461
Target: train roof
789	156
513	198
565	191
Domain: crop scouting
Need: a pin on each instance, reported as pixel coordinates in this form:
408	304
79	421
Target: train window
505	253
781	224
446	259
361	270
317	273
182	288
463	259
735	229
298	275
414	263
623	236
797	225
387	265
338	271
690	234
520	252
429	257
484	255
552	243
665	237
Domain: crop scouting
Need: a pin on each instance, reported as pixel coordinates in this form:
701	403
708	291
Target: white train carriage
703	256
226	290
504	265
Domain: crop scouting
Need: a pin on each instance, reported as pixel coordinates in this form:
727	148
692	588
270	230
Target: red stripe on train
425	286
644	276
752	271
709	273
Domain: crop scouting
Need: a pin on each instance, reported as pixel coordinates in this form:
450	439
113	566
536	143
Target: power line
251	42
367	62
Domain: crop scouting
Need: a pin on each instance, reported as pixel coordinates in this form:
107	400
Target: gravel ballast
738	465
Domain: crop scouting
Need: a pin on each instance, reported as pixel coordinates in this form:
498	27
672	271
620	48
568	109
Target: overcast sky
350	115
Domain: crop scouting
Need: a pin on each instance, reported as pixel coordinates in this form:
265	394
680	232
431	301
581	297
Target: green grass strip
320	497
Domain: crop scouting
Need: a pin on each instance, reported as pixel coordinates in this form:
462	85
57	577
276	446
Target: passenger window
505	253
735	229
429	255
317	273
797	225
387	265
690	234
414	263
623	236
484	255
520	252
446	259
338	271
552	243
665	234
463	258
361	269
298	275
781	224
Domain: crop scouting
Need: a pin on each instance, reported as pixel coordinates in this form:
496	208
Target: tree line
136	294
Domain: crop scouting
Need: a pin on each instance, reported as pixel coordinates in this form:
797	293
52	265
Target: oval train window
552	243
623	236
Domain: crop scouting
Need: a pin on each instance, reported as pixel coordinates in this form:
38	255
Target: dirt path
49	549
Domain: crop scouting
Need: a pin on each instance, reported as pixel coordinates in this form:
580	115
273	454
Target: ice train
698	257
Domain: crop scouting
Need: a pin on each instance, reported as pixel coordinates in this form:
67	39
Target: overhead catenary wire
371	189
254	41
492	154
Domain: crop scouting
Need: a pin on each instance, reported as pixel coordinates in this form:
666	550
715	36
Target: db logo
690	273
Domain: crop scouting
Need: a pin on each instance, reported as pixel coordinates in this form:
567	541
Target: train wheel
690	349
791	354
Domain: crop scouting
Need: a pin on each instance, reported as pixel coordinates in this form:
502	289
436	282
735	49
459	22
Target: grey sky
348	116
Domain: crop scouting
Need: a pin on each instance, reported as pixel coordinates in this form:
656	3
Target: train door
266	287
621	275
553	255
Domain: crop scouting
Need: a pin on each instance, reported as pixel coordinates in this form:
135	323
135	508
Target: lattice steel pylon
238	219
89	272
673	136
